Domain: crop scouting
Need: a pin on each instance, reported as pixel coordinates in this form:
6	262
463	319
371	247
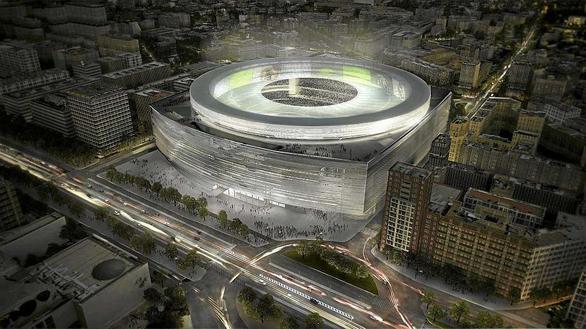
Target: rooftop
132	70
410	170
84	268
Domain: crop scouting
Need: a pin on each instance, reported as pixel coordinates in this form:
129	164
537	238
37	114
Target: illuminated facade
316	133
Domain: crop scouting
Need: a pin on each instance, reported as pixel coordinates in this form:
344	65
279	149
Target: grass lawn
317	263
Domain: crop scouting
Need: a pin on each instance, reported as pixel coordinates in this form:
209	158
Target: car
107	201
88	195
375	317
116	212
125	203
314	301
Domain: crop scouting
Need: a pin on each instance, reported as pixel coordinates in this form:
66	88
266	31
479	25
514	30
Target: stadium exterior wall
343	186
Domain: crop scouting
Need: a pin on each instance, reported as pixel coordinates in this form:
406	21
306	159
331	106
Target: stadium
302	133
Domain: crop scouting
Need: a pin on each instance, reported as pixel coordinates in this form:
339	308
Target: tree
153	296
459	310
223	219
266	308
171	250
435	311
247	296
428	298
514	295
188	261
101	213
314	321
243	230
202	212
540	294
176	301
289	322
156	187
485	319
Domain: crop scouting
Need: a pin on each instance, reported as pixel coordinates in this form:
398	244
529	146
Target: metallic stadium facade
310	133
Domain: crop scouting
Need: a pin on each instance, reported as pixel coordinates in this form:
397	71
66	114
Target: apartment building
101	114
407	197
577	308
52	112
512	256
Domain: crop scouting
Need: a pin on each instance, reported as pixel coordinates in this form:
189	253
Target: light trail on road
75	186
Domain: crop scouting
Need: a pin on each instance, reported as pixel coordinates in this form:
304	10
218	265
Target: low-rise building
139	75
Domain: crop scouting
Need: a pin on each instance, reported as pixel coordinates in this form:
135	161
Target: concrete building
32	80
131	59
65	58
10	212
101	114
140	104
560	112
463	177
549	87
577	308
470	75
407	197
52	112
512	256
86	69
19	102
111	45
439	152
503	208
519	76
91	284
17	59
139	75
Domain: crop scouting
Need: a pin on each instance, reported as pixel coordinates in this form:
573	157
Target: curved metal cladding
412	147
288	178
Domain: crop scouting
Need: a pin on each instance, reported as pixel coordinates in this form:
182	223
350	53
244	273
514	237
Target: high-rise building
519	75
560	112
101	114
10	212
18	58
406	202
470	75
577	308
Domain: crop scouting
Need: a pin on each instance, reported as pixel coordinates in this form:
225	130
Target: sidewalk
491	303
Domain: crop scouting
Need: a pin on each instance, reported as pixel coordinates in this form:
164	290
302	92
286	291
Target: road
243	265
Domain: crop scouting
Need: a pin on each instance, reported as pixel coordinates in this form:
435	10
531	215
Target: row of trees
453	275
234	225
334	259
264	307
459	313
168	194
70	150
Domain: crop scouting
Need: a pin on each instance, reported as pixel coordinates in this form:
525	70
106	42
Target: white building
101	114
577	308
560	112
